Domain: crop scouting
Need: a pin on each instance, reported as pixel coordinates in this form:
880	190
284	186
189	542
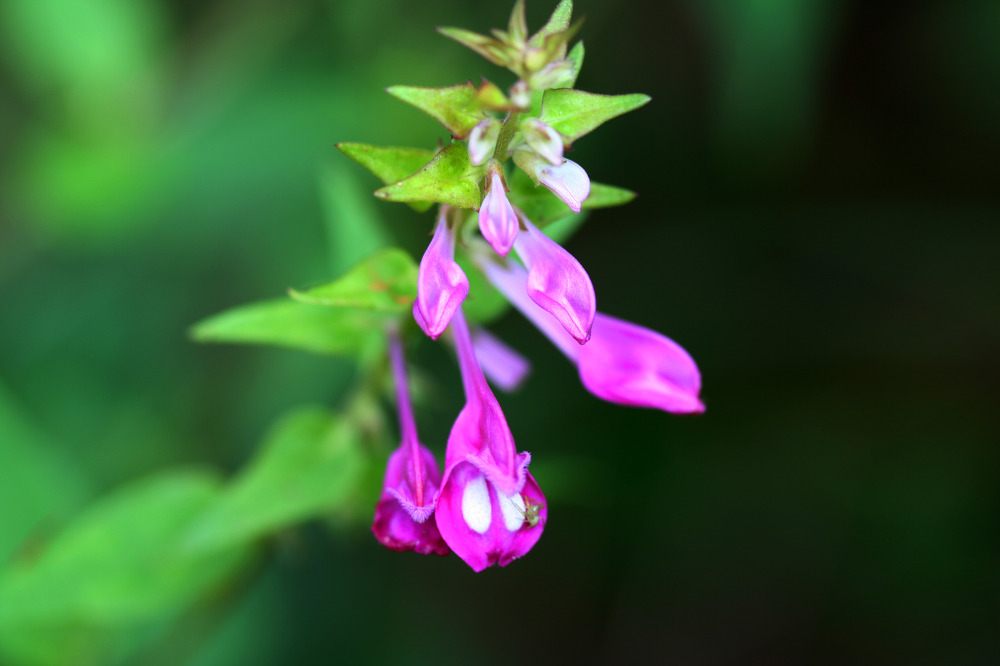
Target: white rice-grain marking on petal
513	510
476	507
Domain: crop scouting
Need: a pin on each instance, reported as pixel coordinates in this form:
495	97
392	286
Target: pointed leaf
294	325
558	22
455	107
384	282
576	55
309	463
449	178
492	49
517	25
605	196
389	164
574	113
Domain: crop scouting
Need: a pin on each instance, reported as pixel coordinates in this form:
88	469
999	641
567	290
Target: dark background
816	225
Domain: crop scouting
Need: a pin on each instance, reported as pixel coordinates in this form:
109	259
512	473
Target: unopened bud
483	139
543	140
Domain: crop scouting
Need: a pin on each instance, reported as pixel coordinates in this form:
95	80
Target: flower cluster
487	507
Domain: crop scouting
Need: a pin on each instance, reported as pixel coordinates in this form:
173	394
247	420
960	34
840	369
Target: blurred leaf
558	22
309	462
576	55
449	178
574	113
100	55
389	164
456	107
384	282
605	196
41	484
492	49
288	323
353	227
115	570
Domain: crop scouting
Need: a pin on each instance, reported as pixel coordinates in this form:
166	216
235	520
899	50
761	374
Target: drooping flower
412	480
557	282
497	221
441	283
623	362
490	509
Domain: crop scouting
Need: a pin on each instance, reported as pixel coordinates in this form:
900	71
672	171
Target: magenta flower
412	480
497	221
490	509
441	283
622	363
557	282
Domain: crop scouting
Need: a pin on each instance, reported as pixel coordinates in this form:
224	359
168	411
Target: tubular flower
497	221
557	282
412	481
622	363
504	367
441	283
490	509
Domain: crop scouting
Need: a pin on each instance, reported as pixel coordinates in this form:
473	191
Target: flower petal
441	283
497	221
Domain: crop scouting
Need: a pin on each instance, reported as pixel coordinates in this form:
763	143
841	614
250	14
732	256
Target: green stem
506	134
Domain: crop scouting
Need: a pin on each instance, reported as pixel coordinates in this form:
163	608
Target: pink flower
412	480
497	221
568	181
503	366
441	283
557	282
622	363
490	509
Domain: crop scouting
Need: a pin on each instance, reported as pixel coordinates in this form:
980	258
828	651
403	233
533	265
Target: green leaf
558	22
449	178
384	282
456	107
492	49
389	164
42	484
288	323
114	575
574	113
309	462
354	229
576	55
605	196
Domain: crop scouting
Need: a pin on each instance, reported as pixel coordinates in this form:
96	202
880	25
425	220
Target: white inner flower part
513	510
476	507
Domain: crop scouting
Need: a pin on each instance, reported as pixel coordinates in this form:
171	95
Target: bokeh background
817	223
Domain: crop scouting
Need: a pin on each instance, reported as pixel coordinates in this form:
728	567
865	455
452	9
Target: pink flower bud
483	139
545	141
568	181
497	221
441	283
557	282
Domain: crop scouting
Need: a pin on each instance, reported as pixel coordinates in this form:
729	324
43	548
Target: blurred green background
817	224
